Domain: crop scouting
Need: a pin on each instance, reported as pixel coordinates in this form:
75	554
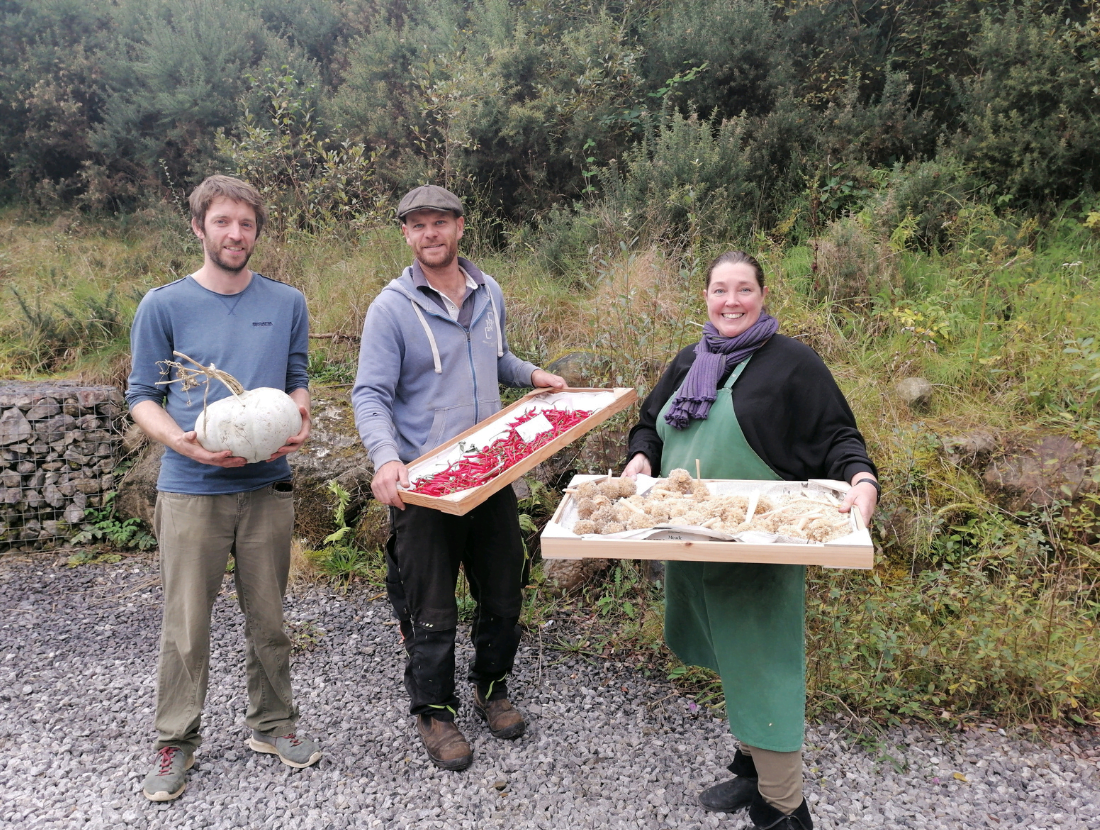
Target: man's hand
863	495
187	443
294	442
385	481
162	428
638	464
542	378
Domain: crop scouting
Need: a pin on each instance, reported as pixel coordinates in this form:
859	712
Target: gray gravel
606	747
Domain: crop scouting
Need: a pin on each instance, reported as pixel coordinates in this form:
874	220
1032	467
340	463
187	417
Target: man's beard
215	256
443	260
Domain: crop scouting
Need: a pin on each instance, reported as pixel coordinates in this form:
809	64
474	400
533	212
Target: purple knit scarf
714	356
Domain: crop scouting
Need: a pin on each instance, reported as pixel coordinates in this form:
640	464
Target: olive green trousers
196	536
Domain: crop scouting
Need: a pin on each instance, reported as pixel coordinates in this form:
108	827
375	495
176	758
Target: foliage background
524	106
919	178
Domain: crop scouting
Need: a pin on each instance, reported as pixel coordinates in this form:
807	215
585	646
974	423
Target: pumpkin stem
190	378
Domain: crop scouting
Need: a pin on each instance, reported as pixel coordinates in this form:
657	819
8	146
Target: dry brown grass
339	279
853	263
632	319
302	569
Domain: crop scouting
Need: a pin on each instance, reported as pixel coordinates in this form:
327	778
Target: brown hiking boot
446	746
504	720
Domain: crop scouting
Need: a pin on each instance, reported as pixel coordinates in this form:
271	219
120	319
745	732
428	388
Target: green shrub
1029	113
563	240
853	265
340	559
174	76
51	90
309	184
738	43
878	129
57	334
503	111
103	527
686	172
993	629
921	200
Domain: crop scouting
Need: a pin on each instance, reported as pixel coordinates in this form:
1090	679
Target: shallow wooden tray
603	402
852	551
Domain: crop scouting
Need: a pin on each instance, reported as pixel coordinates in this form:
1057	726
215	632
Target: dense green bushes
1018	136
520	105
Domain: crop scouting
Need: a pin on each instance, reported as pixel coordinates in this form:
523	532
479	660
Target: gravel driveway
606	747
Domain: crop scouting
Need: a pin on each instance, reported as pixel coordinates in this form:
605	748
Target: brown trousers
780	781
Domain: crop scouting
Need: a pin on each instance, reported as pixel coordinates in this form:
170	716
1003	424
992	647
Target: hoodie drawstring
431	337
500	337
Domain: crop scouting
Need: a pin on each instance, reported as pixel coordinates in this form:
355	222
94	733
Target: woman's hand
638	464
863	495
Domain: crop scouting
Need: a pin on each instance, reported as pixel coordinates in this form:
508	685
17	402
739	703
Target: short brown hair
214	187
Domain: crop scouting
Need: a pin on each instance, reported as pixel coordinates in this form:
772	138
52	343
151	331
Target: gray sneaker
168	777
292	750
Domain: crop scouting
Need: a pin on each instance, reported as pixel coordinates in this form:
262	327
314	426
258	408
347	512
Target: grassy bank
972	610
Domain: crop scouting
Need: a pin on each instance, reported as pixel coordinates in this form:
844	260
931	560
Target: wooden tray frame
557	542
459	504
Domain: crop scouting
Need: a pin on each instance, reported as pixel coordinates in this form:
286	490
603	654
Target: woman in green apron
748	403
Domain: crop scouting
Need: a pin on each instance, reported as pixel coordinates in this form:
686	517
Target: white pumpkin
252	424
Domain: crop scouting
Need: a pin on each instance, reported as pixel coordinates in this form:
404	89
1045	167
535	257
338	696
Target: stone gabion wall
59	445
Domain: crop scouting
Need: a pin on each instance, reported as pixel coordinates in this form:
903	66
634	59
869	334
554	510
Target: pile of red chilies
481	466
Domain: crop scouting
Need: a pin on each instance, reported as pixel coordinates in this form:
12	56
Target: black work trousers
423	555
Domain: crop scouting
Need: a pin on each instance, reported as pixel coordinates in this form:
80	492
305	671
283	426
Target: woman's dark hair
736	258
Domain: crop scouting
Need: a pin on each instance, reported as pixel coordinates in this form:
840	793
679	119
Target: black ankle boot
765	817
735	794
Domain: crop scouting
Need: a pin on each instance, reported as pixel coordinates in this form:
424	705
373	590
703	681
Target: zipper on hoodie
473	374
434	312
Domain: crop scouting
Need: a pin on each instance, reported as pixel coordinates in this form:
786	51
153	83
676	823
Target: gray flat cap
429	197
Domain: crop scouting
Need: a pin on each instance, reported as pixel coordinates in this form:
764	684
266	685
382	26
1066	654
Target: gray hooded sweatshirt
424	378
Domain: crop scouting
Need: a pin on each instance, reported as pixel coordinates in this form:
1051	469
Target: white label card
528	430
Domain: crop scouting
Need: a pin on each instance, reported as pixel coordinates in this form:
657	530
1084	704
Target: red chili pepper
479	467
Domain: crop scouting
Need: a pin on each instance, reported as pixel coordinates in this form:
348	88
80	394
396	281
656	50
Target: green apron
743	620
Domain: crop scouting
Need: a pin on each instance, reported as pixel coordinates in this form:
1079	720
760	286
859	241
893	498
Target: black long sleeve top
787	403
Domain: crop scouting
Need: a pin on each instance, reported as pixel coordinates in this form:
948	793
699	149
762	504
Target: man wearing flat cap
432	356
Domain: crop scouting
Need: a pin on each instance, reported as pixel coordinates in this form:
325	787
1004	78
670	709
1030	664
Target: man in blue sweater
213	505
432	356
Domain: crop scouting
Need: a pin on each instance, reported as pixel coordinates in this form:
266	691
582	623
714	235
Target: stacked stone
59	445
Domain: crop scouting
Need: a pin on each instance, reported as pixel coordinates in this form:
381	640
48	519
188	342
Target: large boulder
971	449
916	393
580	369
1037	469
333	453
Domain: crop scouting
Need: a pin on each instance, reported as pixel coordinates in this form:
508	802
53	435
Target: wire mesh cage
60	443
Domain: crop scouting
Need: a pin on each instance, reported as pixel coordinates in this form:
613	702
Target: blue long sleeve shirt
260	336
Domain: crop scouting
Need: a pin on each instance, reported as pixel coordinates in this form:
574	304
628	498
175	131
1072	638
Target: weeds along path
606	748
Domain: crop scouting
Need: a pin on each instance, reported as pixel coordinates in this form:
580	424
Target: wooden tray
852	551
603	402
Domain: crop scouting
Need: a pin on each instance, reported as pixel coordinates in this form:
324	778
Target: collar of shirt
460	314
